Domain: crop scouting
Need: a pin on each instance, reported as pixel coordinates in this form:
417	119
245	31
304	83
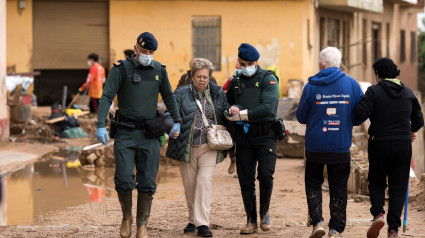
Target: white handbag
217	135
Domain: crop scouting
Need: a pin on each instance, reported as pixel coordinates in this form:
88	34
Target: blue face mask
145	60
248	71
237	72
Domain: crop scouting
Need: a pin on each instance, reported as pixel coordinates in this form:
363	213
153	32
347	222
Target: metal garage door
65	32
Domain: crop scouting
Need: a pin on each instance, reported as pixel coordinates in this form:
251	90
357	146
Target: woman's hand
234	110
414	135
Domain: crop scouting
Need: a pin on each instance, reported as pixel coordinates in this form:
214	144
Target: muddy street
55	214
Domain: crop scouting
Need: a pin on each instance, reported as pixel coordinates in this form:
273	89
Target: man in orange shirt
95	81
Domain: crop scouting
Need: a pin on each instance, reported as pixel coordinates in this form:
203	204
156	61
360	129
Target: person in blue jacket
326	106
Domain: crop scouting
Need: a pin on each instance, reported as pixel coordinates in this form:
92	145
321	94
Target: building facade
55	37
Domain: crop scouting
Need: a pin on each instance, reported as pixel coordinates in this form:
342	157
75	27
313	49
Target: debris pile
101	156
417	193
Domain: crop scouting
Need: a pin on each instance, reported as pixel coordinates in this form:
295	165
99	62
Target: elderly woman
197	160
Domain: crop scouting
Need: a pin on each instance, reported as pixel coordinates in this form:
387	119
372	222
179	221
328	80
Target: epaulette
117	63
163	65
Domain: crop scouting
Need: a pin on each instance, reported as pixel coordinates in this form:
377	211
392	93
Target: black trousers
337	176
94	104
392	160
261	150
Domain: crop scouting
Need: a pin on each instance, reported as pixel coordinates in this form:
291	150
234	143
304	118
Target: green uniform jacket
260	95
138	101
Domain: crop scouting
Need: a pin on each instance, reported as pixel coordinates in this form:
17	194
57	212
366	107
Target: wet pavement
54	183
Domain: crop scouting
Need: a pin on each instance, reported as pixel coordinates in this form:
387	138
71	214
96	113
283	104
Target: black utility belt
131	124
153	127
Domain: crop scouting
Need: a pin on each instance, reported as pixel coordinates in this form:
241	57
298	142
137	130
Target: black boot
127	217
144	203
265	196
249	201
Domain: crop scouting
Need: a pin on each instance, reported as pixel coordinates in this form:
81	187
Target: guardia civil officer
254	98
137	81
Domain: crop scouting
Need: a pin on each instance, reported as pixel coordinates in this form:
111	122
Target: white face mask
145	60
248	71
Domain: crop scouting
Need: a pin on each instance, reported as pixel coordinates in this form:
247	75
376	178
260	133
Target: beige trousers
197	181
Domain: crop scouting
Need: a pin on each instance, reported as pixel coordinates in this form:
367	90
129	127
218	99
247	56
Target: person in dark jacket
395	116
326	106
186	78
197	160
253	98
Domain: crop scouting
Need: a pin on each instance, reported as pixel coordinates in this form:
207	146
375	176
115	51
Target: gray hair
201	63
330	57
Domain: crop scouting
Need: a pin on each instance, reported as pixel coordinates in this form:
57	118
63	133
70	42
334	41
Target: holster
113	125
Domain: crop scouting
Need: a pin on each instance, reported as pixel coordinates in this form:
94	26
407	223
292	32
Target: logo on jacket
318	96
157	77
257	84
324	129
331	111
325	122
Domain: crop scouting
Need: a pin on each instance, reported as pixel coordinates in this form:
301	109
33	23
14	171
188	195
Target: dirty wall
276	28
4	117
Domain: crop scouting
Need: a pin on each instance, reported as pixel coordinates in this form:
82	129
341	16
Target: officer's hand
101	134
414	135
234	110
176	128
232	117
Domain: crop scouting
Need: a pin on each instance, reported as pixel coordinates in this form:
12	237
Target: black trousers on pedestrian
389	159
338	177
94	104
261	150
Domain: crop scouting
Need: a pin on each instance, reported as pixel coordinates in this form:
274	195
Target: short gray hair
330	57
201	63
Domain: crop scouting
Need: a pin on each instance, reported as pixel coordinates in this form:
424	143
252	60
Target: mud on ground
169	213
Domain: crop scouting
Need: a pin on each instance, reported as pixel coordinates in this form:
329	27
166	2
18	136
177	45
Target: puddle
54	183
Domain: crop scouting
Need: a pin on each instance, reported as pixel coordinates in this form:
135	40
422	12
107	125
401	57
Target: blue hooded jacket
326	106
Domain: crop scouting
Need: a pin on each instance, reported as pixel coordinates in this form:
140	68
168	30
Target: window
376	41
402	46
412	47
206	39
388	39
364	41
346	43
335	32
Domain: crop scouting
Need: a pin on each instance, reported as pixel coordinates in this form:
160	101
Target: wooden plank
73	100
51	121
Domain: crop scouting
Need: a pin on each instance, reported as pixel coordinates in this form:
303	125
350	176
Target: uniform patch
272	82
257	84
116	63
157	77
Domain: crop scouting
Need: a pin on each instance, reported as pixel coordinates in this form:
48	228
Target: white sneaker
334	234
318	231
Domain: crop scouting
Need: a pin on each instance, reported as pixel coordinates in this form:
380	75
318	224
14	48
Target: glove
176	127
101	134
246	126
242	116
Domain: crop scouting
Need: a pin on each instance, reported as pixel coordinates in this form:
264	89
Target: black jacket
393	110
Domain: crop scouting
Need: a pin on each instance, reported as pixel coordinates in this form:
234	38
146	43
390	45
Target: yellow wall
19	36
257	23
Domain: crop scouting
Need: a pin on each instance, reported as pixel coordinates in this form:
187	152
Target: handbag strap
202	112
